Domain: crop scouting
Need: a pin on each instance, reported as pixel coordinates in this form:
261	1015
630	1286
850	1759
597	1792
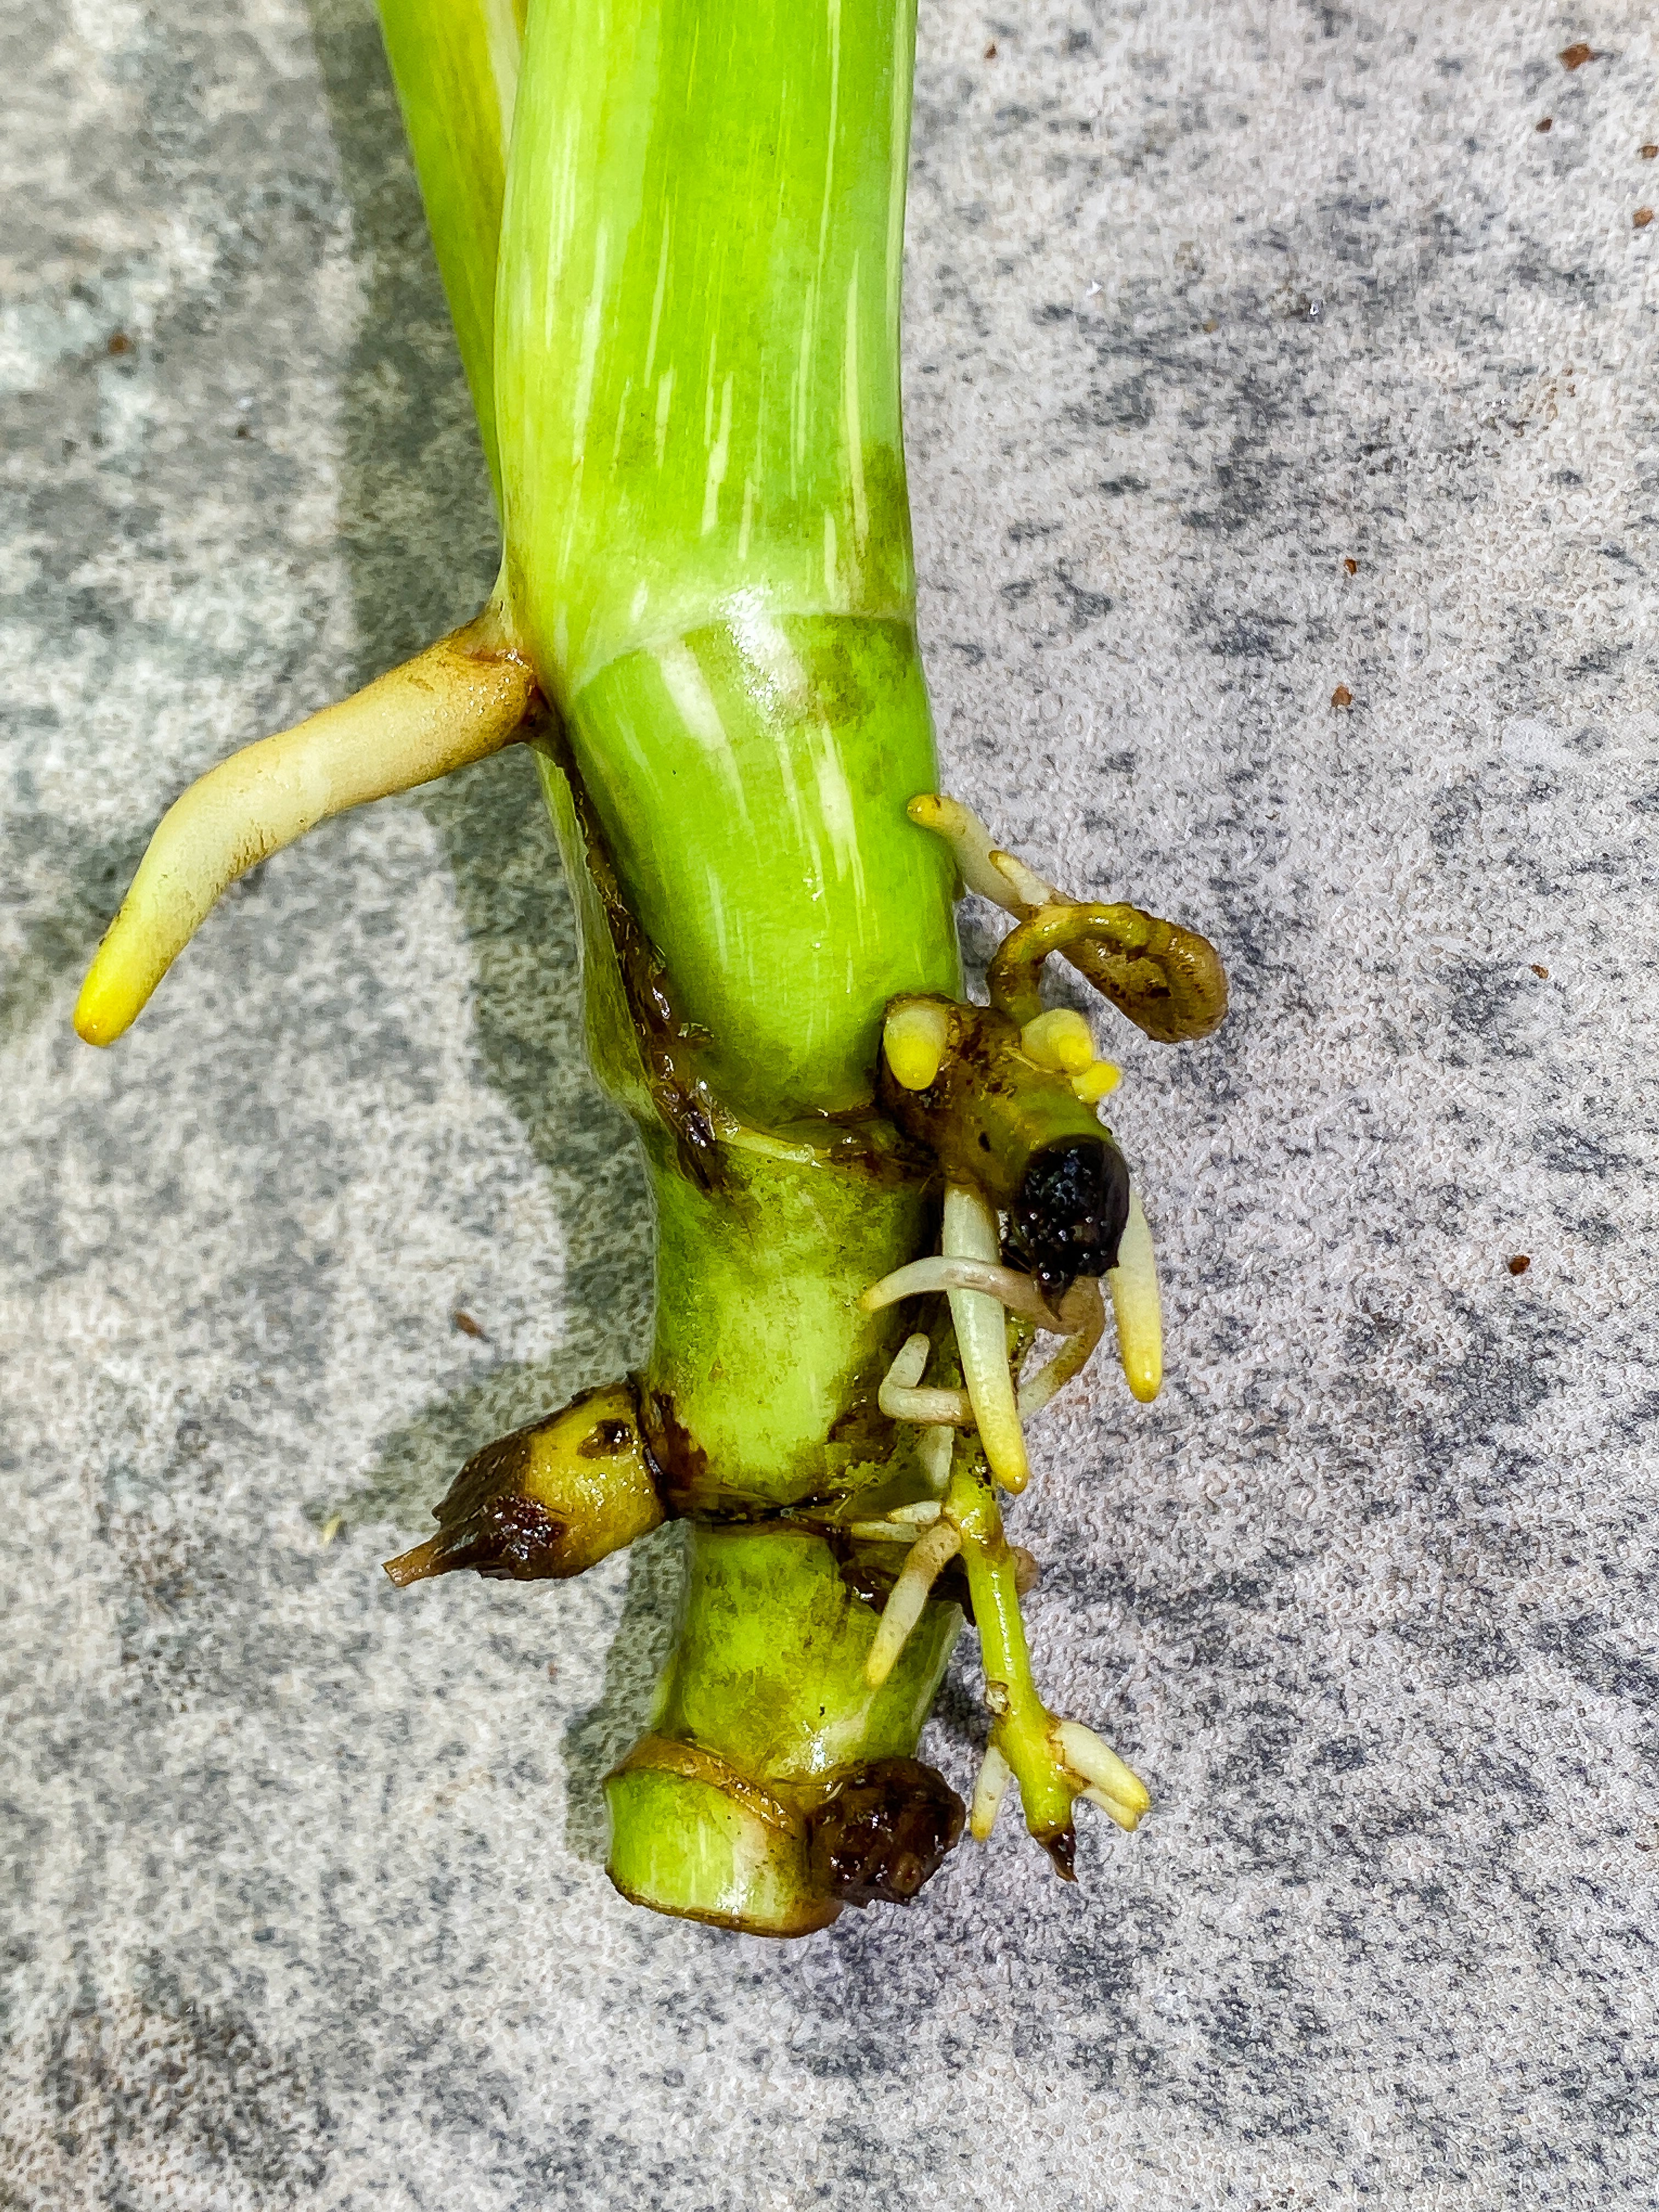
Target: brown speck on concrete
1520	1263
465	1324
991	51
1642	218
1575	56
1342	696
1648	153
1547	123
1544	972
120	343
1351	567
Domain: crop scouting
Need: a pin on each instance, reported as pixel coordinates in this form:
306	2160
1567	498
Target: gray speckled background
302	1898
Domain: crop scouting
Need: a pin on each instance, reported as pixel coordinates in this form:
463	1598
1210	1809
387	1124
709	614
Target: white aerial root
1108	1781
989	1789
936	1451
901	1398
1135	1305
882	1532
955	1271
971	1233
1084	1301
1000	876
915	1038
930	1554
970	841
924	1512
465	697
1113	1807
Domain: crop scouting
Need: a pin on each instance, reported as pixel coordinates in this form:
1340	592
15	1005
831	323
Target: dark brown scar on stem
886	1829
667	1041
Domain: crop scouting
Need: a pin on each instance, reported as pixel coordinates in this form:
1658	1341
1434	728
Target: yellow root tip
114	995
1061	1040
1097	1080
915	1040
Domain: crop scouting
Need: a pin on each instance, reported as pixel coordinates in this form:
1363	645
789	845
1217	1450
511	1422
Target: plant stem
455	64
708	560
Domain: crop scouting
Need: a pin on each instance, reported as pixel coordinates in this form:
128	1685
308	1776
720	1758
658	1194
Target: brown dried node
887	1828
547	1502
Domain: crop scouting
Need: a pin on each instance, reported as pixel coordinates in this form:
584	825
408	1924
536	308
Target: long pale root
463	698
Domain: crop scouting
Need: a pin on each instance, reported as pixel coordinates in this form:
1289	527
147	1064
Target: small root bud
1097	1081
914	1039
1060	1039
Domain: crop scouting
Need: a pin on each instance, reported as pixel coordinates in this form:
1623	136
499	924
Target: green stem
708	560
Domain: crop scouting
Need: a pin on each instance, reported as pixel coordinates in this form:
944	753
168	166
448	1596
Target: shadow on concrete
422	546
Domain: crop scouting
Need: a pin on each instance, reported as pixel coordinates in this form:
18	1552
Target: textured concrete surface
303	1899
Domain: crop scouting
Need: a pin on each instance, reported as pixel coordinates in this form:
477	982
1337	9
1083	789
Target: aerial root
957	1272
930	1554
990	1788
971	847
901	1397
971	1233
1136	1307
1075	1353
466	696
1166	978
936	1450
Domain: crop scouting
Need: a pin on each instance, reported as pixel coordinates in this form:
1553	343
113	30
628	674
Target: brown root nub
1062	1848
888	1829
547	1501
507	1539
